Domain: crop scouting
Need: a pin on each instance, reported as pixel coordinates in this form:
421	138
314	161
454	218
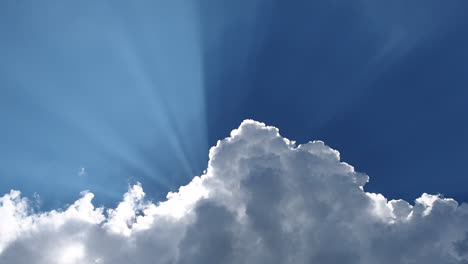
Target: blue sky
139	91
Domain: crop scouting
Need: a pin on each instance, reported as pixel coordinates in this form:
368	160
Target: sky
100	95
249	131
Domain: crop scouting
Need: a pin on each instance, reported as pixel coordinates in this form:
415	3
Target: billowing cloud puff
263	199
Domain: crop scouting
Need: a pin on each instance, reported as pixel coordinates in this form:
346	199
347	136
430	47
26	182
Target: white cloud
262	200
82	172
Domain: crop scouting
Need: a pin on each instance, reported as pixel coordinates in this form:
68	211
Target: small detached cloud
82	172
262	199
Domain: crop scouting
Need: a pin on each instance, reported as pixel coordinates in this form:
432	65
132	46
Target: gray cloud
263	199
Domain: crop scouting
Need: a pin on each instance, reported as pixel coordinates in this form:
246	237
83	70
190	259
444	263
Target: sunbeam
131	102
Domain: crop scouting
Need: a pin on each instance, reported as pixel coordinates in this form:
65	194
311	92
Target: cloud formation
263	199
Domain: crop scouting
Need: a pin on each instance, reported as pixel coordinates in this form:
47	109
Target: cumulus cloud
263	199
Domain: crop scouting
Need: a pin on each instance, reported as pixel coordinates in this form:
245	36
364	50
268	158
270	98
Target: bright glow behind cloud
262	200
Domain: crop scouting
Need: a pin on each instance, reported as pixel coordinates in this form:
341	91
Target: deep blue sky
139	90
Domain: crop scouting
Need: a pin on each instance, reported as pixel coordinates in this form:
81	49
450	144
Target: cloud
263	199
82	172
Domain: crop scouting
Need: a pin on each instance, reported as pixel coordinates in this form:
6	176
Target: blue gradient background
139	90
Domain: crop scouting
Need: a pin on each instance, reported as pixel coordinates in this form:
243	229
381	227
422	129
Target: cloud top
263	199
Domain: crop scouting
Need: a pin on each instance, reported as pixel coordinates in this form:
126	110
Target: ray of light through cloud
128	106
99	95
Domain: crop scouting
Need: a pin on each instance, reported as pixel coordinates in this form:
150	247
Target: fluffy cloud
263	199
